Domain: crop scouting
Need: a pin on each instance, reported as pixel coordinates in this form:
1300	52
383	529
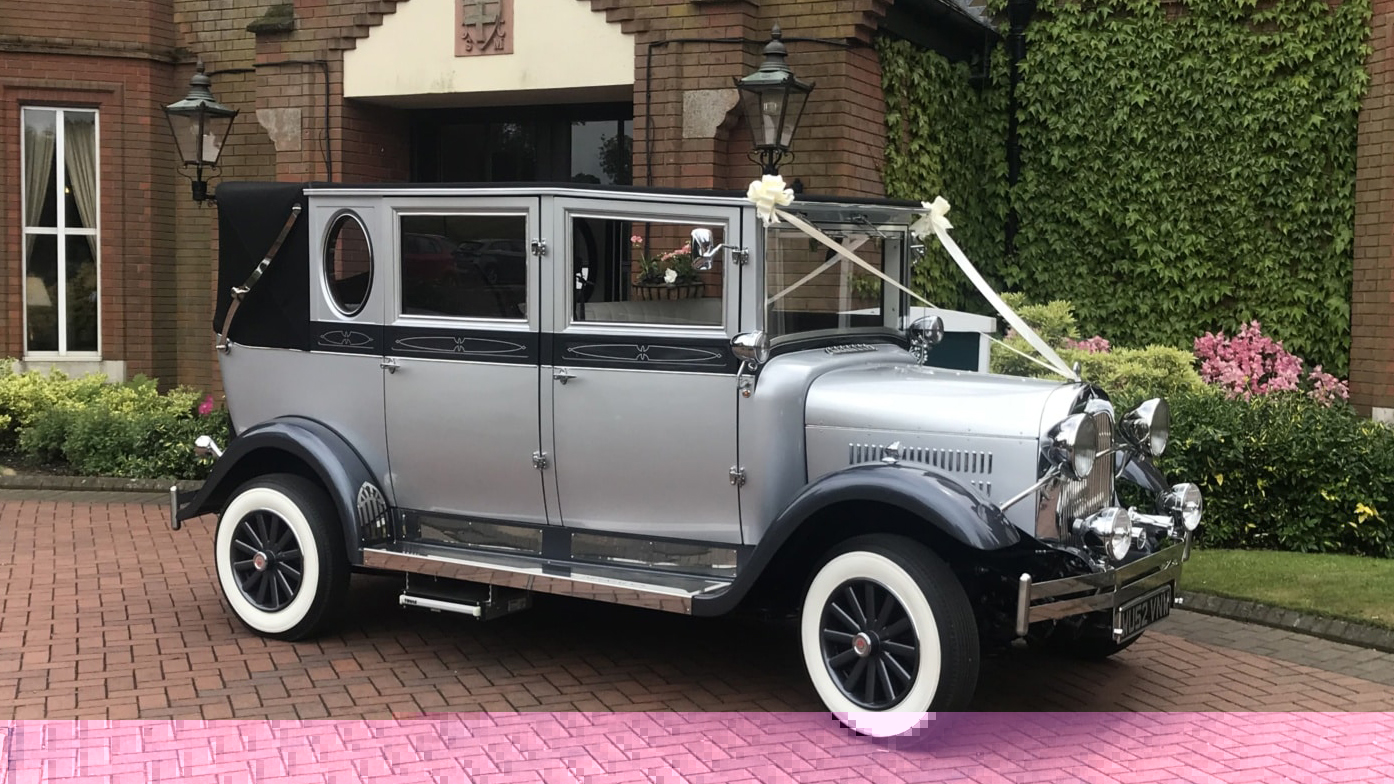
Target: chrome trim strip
602	583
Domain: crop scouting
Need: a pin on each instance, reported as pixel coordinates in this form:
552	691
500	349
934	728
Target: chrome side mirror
925	333
703	248
752	348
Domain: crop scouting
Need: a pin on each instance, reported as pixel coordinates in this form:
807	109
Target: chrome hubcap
862	644
260	561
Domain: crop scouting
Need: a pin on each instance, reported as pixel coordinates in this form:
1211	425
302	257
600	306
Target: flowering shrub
93	427
1094	345
673	267
1252	364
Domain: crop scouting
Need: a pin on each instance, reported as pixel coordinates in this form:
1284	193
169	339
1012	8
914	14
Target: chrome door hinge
740	257
539	247
737	476
539	461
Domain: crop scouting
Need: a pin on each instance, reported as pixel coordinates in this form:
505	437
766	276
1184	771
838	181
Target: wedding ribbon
768	194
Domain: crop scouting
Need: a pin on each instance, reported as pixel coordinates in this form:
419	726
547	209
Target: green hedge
95	428
1284	472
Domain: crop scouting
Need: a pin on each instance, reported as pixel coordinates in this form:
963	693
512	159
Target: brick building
106	263
1372	297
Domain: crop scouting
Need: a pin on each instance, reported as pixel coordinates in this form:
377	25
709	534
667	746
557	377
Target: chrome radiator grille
1086	496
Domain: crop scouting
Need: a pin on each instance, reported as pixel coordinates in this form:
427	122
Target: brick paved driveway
107	614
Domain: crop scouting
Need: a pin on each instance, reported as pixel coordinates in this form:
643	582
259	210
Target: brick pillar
1372	300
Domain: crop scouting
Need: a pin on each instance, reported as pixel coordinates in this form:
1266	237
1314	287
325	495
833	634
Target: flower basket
657	291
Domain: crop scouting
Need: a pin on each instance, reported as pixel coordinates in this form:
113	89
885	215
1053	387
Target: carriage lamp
200	126
774	101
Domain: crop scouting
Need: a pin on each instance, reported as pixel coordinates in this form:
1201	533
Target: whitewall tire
280	558
888	636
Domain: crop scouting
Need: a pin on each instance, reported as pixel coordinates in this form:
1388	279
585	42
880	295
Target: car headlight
1148	426
1073	444
1185	504
1115	528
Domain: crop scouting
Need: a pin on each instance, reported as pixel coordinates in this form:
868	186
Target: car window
348	264
464	266
643	271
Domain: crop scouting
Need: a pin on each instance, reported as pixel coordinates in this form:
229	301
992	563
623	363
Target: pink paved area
708	748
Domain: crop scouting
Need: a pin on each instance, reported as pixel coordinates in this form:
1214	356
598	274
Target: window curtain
39	142
80	157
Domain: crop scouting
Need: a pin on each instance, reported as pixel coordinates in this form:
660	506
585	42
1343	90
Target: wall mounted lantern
200	126
774	101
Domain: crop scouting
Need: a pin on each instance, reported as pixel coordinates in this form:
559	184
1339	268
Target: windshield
810	290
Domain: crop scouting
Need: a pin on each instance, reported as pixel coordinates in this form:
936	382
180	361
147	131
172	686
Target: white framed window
61	198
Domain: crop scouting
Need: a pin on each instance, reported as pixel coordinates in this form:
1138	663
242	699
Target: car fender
940	500
362	505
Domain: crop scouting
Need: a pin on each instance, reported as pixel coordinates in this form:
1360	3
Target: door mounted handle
389	364
563	375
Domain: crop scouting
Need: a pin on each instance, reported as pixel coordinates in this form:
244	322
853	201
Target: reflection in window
644	272
464	266
808	288
60	230
602	152
348	264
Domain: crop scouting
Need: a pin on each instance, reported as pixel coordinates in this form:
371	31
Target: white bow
935	218
769	194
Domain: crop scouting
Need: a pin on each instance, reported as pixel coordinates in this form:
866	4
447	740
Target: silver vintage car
652	398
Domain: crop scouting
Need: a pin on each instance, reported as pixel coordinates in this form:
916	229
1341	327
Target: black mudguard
936	498
341	470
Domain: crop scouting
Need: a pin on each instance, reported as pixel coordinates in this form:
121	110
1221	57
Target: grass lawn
1337	586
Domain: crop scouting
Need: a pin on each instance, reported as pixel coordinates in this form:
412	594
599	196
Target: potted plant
669	275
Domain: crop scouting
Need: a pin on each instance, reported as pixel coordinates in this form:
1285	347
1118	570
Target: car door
640	374
462	365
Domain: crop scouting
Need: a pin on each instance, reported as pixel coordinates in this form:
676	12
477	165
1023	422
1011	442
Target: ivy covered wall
1187	165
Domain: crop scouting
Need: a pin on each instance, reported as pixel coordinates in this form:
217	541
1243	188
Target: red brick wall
1372	301
136	234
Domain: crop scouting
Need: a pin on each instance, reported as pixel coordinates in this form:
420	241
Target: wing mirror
925	333
704	248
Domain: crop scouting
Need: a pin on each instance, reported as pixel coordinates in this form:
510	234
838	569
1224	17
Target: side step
484	602
635	587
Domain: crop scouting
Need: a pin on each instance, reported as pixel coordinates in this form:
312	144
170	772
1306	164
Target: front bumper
1107	590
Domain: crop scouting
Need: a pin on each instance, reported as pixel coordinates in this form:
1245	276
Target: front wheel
280	557
888	636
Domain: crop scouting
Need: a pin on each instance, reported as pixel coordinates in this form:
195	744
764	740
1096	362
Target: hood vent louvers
951	461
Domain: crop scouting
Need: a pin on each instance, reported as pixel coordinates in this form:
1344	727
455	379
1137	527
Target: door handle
389	364
563	375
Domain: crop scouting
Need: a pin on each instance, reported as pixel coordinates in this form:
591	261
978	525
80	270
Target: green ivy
1187	165
946	139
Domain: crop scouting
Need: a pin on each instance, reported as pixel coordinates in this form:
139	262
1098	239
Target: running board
615	584
484	602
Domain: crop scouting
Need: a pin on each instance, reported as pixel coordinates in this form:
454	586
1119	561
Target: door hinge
539	247
539	461
741	257
737	476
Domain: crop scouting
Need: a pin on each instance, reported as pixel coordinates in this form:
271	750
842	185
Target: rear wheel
888	636
279	554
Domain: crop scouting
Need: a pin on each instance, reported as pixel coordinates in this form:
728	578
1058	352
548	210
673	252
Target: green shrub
97	428
1284	472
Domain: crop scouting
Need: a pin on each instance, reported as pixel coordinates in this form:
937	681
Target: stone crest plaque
483	27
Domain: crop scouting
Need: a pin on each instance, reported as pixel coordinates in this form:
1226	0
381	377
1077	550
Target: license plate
1143	611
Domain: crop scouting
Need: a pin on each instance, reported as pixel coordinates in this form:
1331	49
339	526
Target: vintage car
777	433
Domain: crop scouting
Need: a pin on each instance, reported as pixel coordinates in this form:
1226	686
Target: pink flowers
636	241
1094	345
1251	363
207	406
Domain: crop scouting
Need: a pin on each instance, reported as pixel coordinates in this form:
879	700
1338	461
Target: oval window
348	264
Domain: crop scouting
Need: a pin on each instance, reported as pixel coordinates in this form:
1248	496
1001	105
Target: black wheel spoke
856	674
286	538
842	658
256	541
869	592
899	648
263	587
883	616
836	636
857	611
243	565
252	581
286	568
885	678
844	617
244	547
290	555
896	668
896	628
869	691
